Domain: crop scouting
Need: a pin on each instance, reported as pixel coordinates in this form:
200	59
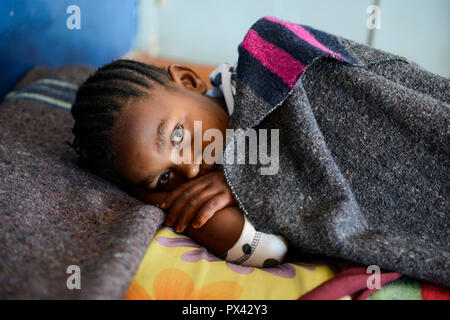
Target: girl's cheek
174	182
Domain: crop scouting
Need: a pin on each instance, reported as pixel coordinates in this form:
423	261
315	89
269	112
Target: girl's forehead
137	130
136	152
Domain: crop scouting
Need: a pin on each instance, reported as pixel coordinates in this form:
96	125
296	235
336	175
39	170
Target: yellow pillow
175	267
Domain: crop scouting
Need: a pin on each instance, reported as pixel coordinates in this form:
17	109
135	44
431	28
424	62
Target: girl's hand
197	200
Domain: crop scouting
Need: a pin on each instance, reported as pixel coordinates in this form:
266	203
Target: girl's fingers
176	193
189	211
213	205
180	202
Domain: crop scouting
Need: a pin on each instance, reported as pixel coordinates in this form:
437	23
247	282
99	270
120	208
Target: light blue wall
208	32
419	30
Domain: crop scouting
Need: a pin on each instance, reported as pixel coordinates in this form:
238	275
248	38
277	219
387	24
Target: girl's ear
187	78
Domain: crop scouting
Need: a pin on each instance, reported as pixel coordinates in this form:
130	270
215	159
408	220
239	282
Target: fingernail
178	229
196	225
163	205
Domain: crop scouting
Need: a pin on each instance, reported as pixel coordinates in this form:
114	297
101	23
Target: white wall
209	31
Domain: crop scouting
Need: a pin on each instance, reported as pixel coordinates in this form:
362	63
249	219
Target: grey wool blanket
65	232
363	169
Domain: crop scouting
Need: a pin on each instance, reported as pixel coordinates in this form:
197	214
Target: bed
54	215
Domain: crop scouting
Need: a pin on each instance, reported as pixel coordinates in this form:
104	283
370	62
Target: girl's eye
164	178
177	135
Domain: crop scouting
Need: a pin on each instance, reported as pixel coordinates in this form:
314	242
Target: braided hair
97	104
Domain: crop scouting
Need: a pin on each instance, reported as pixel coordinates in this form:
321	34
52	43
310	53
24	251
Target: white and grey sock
257	249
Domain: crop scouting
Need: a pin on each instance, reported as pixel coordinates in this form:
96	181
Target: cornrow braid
98	101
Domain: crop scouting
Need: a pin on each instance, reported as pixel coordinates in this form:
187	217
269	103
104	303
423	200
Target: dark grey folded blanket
53	214
364	152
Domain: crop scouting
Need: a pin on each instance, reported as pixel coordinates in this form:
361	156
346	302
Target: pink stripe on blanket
275	59
305	35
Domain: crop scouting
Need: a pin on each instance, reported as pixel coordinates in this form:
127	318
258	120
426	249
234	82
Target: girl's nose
190	171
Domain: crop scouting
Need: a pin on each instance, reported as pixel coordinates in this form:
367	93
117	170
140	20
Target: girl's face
146	134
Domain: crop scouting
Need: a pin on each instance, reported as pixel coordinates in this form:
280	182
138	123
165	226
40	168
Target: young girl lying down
359	139
132	117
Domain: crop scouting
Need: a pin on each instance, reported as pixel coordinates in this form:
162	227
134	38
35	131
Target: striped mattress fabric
55	92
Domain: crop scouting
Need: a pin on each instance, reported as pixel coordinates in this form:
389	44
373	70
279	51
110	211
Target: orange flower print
136	292
174	284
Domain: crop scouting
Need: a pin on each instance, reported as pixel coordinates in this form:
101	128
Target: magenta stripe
277	60
304	34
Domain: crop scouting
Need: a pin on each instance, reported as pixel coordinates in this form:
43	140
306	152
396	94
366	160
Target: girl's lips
207	168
